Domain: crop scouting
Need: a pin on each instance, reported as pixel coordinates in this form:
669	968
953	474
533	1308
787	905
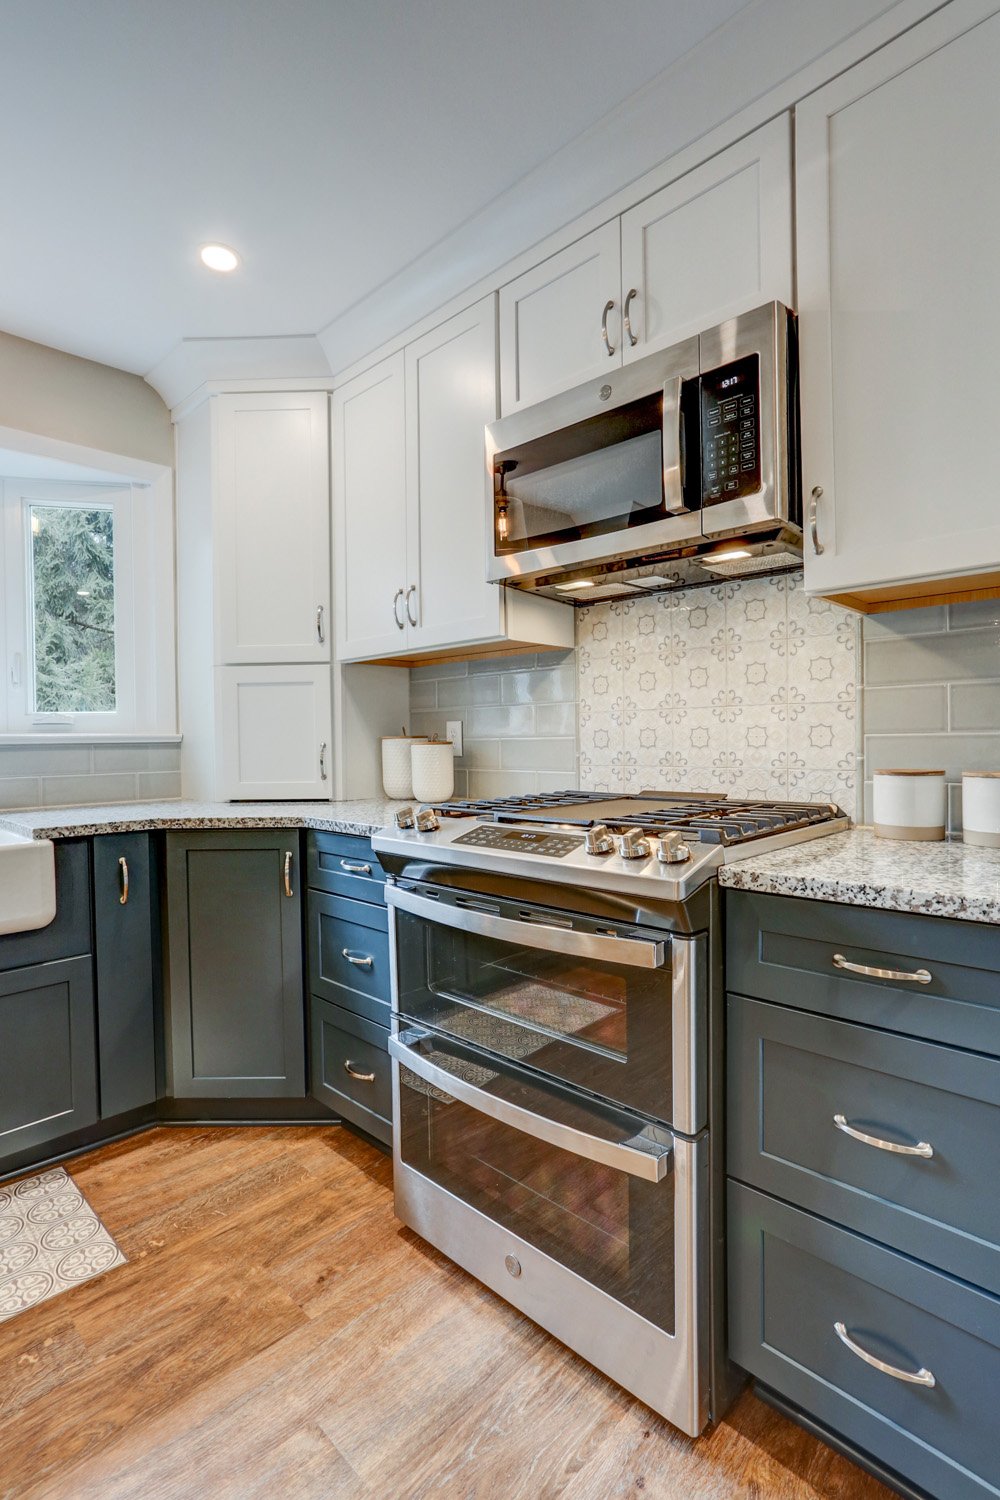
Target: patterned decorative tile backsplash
747	687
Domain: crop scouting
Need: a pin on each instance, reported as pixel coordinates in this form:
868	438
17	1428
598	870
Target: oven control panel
522	840
730	431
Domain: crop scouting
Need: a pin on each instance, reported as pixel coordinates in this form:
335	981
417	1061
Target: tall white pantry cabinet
253	566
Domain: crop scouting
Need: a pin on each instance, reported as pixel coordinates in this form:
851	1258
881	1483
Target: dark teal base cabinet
48	1062
351	1071
863	1150
235	997
127	965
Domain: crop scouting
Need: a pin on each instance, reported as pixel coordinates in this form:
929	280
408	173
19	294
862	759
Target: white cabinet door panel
716	242
450	397
899	223
272	535
550	320
369	512
275	732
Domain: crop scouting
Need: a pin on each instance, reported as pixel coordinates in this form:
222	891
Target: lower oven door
586	1218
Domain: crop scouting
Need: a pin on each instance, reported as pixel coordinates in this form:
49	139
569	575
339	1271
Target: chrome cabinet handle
632	338
604	330
123	881
649	1160
353	869
360	961
320	632
401	623
912	1377
635	952
923	1148
361	1077
322	761
914	976
288	873
814	499
409	613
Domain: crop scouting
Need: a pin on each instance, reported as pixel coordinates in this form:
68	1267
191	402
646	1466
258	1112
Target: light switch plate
453	731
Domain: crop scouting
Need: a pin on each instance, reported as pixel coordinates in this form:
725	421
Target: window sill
87	738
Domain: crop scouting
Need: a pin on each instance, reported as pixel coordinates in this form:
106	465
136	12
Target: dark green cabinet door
125	921
48	1071
235	1002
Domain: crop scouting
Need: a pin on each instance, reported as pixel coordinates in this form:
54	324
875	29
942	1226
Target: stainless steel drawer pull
352	869
632	292
912	1377
400	623
905	976
814	499
123	881
923	1148
359	960
320	631
287	872
361	1077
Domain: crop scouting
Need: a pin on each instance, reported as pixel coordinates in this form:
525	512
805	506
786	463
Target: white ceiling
331	142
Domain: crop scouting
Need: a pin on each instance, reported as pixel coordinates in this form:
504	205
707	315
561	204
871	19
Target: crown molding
194	363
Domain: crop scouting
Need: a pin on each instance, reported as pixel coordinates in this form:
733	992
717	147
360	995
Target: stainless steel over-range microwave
670	456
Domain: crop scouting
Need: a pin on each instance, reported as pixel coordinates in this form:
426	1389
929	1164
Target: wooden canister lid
908	773
981	775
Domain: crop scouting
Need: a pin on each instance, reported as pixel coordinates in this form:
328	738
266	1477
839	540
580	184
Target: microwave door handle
637	953
673	451
649	1159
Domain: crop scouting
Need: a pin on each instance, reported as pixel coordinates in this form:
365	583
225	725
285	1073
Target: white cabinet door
898	216
451	395
369	512
274	729
716	242
551	320
272	527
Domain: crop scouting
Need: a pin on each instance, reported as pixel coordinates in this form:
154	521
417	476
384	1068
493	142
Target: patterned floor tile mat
50	1240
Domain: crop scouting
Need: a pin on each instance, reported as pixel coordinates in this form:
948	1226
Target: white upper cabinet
369	501
272	527
716	242
898	162
556	326
451	395
273	736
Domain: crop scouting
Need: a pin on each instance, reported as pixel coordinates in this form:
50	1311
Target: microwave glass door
611	1227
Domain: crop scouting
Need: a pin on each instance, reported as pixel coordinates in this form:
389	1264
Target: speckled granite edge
857	869
358	817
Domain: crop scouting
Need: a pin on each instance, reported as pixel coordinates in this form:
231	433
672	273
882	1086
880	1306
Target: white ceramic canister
981	808
397	773
433	765
909	805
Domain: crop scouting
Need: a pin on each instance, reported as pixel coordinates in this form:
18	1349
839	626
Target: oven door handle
640	1156
637	953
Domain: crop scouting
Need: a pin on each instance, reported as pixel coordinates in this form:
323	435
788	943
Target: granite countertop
856	868
362	817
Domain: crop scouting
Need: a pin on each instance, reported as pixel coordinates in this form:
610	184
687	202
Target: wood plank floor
277	1335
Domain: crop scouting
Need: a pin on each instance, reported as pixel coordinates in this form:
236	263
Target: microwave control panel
730	431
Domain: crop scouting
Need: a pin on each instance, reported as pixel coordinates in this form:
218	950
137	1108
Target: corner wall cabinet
411	494
715	242
898	223
254	626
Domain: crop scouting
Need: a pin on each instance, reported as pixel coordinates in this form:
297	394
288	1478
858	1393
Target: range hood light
729	554
578	583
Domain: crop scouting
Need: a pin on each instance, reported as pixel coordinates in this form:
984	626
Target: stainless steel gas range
557	1064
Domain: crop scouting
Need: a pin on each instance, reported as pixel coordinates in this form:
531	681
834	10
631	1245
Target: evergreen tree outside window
72	586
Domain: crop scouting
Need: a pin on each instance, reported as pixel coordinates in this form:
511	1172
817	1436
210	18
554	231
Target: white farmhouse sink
27	882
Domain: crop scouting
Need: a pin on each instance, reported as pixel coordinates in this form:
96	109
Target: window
71	626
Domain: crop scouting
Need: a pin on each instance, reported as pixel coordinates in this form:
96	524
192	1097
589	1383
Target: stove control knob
632	844
427	820
597	840
403	817
671	849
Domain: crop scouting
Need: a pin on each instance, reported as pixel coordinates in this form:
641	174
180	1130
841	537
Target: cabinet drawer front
351	1069
349	955
783	948
345	866
792	1074
793	1278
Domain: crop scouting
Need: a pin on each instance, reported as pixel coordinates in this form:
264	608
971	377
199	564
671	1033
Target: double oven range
557	1064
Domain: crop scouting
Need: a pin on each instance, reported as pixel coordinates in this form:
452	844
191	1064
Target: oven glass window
603	1027
613	1229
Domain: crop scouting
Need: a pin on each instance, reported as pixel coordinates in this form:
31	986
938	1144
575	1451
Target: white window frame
135	623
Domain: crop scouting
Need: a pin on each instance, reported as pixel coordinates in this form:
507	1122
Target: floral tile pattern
50	1240
748	687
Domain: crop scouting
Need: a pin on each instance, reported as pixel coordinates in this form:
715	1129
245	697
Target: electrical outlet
453	731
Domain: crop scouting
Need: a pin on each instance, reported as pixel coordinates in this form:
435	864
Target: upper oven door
597	1005
603	471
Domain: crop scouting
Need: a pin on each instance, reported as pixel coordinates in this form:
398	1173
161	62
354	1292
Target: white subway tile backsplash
83	773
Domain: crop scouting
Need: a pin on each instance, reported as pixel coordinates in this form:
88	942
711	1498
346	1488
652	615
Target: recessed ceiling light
219	257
